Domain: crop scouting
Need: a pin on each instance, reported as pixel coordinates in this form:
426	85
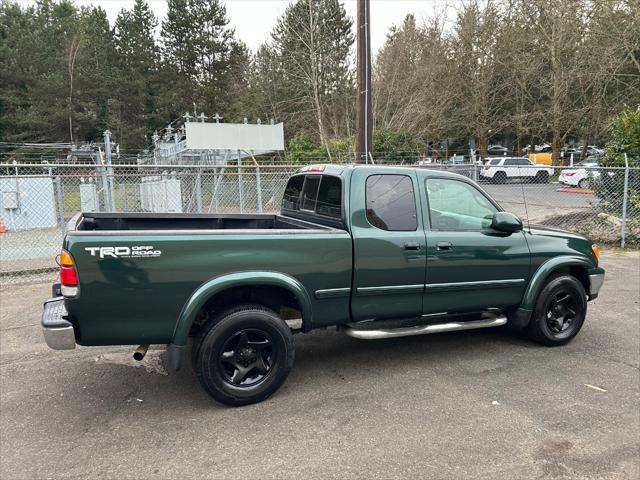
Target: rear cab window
316	198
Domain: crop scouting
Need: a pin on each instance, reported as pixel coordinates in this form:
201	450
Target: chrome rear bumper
58	331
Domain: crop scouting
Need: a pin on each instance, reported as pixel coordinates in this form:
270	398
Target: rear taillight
570	174
68	275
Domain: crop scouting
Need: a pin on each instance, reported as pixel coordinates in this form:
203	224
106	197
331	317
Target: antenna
524	200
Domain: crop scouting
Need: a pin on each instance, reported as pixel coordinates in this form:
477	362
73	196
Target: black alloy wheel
243	355
247	357
560	311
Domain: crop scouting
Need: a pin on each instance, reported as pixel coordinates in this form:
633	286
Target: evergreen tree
201	57
137	65
95	74
55	66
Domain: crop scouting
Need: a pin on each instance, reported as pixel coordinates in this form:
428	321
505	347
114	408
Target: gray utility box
27	202
10	200
89	201
161	195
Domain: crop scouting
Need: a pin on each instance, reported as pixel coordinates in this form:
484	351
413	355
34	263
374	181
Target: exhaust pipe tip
140	352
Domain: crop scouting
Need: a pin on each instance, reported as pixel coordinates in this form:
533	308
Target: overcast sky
254	19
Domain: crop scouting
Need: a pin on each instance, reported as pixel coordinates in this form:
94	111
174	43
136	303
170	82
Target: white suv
499	170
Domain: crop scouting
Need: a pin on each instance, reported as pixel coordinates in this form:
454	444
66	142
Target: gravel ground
479	404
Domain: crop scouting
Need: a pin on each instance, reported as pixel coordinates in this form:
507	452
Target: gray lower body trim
333	293
389	290
520	318
175	353
515	282
595	282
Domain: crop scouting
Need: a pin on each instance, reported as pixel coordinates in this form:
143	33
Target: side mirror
506	222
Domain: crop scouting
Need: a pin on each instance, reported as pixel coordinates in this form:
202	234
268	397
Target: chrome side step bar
490	320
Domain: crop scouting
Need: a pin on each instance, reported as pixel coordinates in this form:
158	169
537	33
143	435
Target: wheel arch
572	265
226	283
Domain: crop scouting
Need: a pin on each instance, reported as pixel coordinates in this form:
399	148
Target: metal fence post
59	203
259	189
240	183
625	196
198	192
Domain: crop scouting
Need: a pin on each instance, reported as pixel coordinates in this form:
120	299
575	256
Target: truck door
389	245
470	267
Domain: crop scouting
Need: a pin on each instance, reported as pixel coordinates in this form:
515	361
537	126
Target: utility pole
364	118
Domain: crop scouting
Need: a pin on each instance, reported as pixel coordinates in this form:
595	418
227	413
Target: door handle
443	246
412	246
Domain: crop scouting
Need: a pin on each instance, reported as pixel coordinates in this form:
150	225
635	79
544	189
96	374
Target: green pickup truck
377	252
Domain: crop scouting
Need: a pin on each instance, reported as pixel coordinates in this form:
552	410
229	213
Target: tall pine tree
137	64
203	63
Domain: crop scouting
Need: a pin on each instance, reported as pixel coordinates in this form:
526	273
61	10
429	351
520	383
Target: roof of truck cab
341	169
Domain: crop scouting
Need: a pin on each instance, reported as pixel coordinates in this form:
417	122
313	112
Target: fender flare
536	283
218	284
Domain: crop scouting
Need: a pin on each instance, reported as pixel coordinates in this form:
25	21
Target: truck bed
187	251
165	222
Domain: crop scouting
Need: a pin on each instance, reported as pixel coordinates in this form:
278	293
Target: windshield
588	164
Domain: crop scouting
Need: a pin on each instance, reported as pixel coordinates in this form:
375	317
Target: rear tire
500	177
542	177
559	312
583	184
244	355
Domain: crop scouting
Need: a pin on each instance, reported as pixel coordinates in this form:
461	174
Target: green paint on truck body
339	270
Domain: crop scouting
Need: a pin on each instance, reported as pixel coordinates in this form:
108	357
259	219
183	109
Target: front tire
560	311
244	356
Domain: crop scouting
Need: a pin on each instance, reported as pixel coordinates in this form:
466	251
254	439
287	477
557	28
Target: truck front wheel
559	312
244	355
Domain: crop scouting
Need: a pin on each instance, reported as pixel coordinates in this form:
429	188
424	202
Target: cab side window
391	203
329	202
457	205
310	192
291	197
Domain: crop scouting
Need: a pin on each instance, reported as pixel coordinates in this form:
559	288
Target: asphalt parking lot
539	194
479	404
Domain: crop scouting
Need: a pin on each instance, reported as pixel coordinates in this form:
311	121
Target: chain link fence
38	200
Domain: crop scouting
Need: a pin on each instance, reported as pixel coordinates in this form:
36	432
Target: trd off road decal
136	251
